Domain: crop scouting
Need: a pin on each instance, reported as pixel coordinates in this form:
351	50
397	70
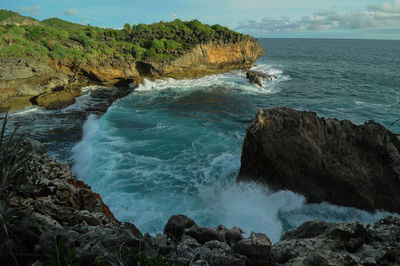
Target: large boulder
257	77
323	159
58	98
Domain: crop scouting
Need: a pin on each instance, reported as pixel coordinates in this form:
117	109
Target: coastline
55	86
59	208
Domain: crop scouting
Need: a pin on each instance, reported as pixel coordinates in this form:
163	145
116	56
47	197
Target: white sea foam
147	190
235	80
84	152
149	164
83	101
27	110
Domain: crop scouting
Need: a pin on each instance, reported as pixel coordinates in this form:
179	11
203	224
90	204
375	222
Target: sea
174	146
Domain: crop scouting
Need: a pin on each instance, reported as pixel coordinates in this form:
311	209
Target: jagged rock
203	234
55	204
176	225
22	79
321	243
134	230
256	248
90	242
323	159
61	207
257	77
231	236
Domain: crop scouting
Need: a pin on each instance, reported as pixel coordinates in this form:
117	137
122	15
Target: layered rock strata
323	159
24	81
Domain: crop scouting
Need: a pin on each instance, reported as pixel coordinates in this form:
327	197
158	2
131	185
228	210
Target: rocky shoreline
25	82
64	219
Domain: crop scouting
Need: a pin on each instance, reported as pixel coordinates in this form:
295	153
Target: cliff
52	217
323	159
57	57
210	58
24	80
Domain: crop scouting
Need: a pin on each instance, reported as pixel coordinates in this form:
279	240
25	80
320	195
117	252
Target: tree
127	29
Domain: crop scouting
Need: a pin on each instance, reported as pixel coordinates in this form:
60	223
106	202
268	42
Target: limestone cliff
211	58
23	80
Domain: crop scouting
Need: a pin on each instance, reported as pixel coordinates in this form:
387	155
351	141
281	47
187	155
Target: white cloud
70	12
373	16
33	10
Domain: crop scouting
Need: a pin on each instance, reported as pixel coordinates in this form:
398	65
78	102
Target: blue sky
374	19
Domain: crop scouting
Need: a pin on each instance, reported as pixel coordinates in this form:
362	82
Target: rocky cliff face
323	159
211	58
22	80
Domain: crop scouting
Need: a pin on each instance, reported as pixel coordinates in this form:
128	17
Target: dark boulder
323	159
257	77
176	226
256	248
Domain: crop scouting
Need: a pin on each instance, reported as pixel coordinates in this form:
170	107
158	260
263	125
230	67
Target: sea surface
174	146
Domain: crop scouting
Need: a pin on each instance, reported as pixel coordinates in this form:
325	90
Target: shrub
138	51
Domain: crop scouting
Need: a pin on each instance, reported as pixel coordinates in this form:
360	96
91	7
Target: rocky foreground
61	219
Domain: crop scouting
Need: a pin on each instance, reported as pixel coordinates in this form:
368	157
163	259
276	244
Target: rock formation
56	216
323	159
24	81
257	77
211	58
322	243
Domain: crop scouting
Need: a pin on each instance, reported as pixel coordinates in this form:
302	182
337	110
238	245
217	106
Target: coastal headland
47	63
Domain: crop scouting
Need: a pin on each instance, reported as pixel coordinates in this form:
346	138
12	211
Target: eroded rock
352	243
257	77
323	159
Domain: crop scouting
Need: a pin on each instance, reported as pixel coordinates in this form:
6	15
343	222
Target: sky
360	19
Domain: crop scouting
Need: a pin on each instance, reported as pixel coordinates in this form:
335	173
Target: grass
14	17
10	164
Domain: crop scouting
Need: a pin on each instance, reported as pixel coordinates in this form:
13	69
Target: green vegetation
75	44
5	14
60	255
10	164
9	17
61	24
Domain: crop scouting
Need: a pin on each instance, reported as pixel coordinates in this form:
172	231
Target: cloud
70	12
33	10
373	16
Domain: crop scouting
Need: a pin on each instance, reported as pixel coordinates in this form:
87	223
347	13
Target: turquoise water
174	147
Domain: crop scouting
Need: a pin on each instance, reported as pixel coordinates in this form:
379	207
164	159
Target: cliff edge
57	57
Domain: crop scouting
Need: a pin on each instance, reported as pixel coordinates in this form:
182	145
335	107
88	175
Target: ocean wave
27	110
146	188
233	80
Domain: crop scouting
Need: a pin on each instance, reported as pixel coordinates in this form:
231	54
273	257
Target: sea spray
173	146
